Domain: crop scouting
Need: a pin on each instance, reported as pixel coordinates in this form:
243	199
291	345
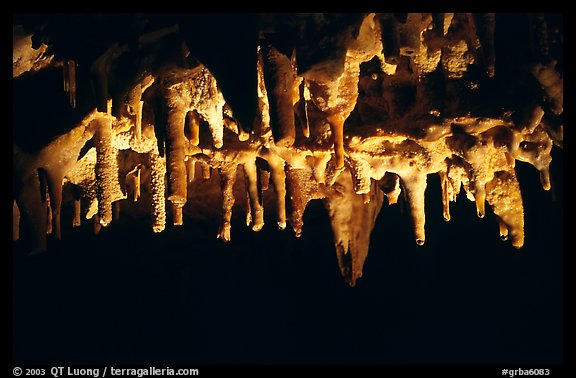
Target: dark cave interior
128	295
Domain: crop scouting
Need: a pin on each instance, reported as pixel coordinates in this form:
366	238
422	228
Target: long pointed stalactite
350	109
157	167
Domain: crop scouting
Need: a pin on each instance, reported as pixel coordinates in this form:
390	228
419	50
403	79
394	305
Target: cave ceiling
129	112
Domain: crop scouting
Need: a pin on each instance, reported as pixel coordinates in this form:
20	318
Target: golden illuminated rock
396	99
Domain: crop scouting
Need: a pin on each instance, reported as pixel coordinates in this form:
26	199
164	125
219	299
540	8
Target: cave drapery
347	108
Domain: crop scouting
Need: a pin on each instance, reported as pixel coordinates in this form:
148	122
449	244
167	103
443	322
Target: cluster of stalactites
300	143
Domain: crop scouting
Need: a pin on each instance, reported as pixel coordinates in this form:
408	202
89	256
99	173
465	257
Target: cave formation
124	113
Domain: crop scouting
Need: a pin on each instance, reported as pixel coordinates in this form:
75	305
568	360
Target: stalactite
256	209
280	83
176	144
135	106
415	186
190	169
107	186
352	239
177	216
503	195
157	167
227	180
535	149
301	188
480	198
278	177
444	182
